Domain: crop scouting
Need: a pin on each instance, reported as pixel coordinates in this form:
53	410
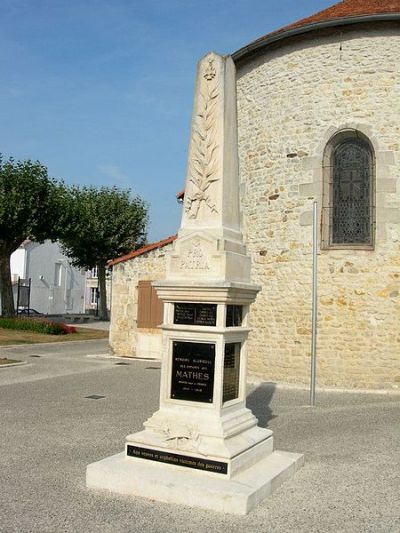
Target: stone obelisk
203	447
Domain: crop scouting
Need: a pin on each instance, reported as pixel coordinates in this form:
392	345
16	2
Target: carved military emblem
210	72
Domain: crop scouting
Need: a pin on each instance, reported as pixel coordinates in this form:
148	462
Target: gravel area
50	431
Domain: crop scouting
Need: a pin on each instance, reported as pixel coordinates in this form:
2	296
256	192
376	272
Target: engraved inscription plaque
195	314
193	371
230	389
176	459
234	315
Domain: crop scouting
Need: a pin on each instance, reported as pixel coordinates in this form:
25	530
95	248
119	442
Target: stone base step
175	484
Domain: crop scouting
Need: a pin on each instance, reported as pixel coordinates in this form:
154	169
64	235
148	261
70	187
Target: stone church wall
125	338
291	101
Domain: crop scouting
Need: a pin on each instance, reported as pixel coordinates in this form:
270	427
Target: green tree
30	207
103	223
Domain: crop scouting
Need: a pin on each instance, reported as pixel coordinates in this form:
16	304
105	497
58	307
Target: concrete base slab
174	484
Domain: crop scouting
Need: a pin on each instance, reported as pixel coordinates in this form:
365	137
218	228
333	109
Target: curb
19	363
254	381
4	347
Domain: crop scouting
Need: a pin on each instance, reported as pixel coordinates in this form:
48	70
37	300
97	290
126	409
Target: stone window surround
327	201
385	184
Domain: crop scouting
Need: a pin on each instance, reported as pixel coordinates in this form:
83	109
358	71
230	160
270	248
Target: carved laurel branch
203	164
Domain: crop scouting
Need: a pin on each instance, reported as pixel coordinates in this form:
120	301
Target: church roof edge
344	13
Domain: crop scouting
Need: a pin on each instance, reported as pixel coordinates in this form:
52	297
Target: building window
348	206
93	295
57	274
150	307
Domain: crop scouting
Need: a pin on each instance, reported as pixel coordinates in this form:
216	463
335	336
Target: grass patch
5	361
9	336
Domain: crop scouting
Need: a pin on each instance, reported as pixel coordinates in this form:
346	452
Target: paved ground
50	431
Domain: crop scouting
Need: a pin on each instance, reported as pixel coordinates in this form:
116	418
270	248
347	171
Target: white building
92	291
56	286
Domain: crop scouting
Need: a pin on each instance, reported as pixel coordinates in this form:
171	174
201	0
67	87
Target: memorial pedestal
203	446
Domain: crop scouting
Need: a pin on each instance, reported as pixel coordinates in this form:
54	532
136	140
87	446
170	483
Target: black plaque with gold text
176	459
234	315
193	371
230	389
195	314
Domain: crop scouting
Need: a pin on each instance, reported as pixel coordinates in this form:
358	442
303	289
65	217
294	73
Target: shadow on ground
258	401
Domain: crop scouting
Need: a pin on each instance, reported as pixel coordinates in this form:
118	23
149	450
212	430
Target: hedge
37	325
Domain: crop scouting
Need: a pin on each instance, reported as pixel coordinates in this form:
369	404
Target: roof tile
143	250
343	10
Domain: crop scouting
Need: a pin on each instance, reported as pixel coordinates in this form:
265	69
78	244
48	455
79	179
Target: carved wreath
181	437
203	163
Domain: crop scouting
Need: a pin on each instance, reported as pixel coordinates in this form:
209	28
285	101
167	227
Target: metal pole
314	306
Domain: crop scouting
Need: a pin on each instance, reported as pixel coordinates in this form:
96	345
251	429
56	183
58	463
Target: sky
101	92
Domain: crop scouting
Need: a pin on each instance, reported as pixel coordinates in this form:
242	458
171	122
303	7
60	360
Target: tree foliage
93	224
30	207
30	202
103	223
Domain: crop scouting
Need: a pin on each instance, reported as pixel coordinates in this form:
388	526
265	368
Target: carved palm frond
203	163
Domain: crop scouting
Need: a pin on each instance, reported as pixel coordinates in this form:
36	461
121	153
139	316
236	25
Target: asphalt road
50	431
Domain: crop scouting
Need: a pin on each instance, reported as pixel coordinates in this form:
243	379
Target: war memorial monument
203	447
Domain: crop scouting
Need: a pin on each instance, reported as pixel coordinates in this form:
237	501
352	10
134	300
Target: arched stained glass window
352	172
350	183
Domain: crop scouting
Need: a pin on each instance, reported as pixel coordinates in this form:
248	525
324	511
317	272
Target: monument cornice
217	292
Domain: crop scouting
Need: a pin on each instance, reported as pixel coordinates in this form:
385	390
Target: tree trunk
101	273
7	299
